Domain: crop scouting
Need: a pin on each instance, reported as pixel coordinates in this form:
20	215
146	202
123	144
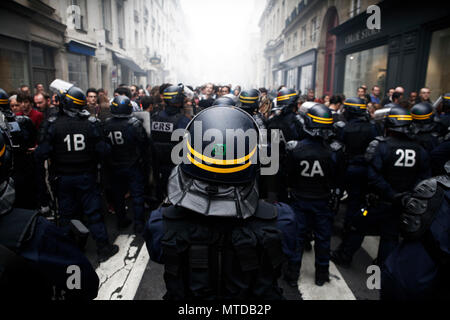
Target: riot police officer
129	155
23	134
314	169
35	255
355	133
249	102
283	119
396	164
215	237
164	123
418	268
74	142
443	120
423	126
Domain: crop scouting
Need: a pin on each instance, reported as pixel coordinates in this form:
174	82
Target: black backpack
211	258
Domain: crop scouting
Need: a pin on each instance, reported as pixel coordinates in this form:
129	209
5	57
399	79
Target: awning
128	62
81	48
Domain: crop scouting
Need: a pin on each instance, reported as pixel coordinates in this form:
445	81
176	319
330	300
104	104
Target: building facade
96	43
325	45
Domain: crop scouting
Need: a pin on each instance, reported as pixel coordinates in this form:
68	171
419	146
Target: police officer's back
396	164
23	135
129	157
74	143
284	120
35	256
216	238
164	123
315	168
356	132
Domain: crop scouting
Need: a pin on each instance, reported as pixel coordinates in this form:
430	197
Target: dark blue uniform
48	253
439	155
396	165
23	136
75	146
314	169
356	135
417	269
291	129
163	124
127	163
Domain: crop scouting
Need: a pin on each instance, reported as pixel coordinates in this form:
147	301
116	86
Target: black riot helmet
74	100
355	107
446	103
4	100
319	121
174	95
121	107
398	119
422	113
226	100
286	98
249	100
228	159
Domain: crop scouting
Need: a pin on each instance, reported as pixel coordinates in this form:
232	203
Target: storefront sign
360	35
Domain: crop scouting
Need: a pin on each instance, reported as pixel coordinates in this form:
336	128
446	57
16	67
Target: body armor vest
402	163
16	227
312	171
73	148
124	151
221	258
162	128
356	137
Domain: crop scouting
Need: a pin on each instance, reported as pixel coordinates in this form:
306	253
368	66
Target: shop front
411	50
299	71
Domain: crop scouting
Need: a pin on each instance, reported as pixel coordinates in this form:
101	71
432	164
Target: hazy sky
220	36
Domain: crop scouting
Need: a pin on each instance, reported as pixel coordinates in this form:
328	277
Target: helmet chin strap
7	196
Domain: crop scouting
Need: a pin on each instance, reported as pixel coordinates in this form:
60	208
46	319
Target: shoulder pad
336	145
381	138
93	120
291	145
371	149
426	189
340	124
447	137
444	181
134	121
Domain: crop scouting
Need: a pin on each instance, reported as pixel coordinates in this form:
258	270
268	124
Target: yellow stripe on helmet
2	152
248	98
286	97
4	101
217	161
76	101
218	170
446	98
321	120
170	93
421	117
401	117
362	106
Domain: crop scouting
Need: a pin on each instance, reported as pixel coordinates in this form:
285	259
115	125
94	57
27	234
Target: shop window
438	71
306	77
291	81
78	70
365	67
14	66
